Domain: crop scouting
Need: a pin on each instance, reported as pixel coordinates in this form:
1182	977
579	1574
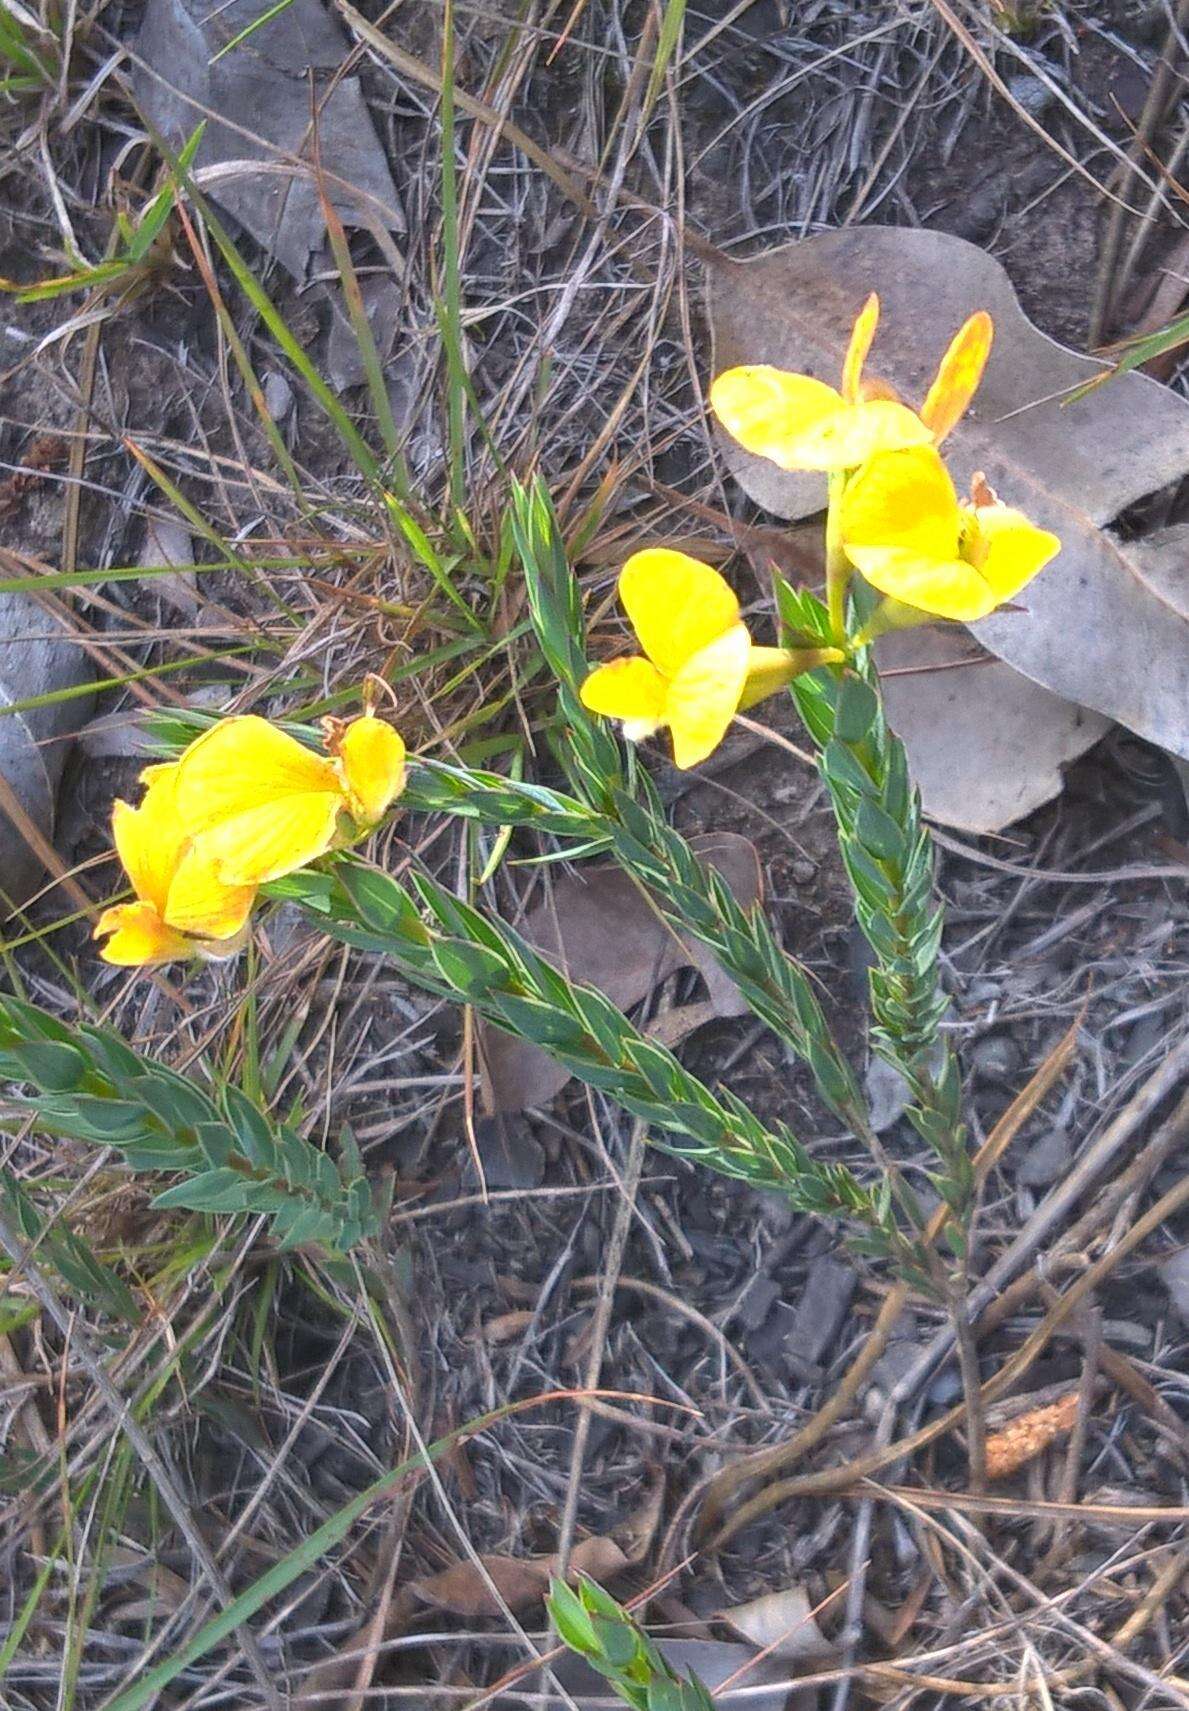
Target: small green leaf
220	1190
617	1639
252	1129
878	833
51	1067
216	1143
855	710
570	1619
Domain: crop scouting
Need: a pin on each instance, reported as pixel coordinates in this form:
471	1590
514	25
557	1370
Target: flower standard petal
767	410
958	375
903	499
704	696
243	763
676	605
855	433
272	839
371	754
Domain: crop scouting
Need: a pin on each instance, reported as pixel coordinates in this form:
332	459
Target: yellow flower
259	804
801	423
903	528
700	666
183	908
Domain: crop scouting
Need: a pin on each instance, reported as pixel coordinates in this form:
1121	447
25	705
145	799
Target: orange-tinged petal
769	410
1007	549
948	588
137	937
372	756
630	688
272	839
862	333
958	375
200	902
149	838
242	763
902	499
676	605
855	433
704	696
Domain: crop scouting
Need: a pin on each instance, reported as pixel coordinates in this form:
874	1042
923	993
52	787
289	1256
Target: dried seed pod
1027	1435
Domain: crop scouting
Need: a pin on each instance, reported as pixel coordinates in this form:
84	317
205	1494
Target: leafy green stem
449	948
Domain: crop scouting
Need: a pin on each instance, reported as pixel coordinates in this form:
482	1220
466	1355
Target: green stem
837	564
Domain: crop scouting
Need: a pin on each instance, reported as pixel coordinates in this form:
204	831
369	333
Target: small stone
946	1387
996	1058
897	1361
821	1309
1127	1334
1031	93
1045	1160
887	1094
278	396
1174	1274
757	1302
509	1155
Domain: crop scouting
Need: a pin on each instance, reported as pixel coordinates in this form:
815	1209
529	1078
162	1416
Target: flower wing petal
704	696
958	375
768	410
137	937
242	763
676	605
862	333
200	902
372	756
947	587
149	838
629	688
272	839
1013	550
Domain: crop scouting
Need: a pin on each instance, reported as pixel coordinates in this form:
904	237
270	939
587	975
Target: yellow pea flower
260	804
699	666
182	908
904	530
801	423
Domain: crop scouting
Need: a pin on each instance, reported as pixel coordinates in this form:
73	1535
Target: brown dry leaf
780	1624
602	931
1099	630
166	1591
338	1673
506	1327
1028	1435
463	1589
985	745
